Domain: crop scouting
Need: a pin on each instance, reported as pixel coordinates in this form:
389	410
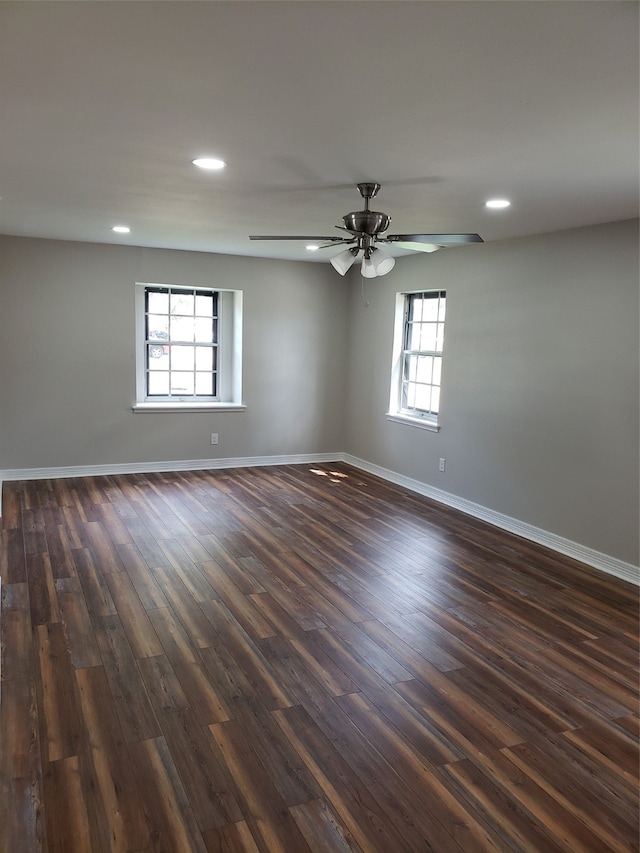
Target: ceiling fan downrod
368	191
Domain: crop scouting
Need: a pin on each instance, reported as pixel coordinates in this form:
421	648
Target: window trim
229	355
425	420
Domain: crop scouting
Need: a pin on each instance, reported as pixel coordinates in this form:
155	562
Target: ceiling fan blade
289	237
434	238
415	247
334	242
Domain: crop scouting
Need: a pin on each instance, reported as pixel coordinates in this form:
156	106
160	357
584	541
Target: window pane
157	358
428	337
415	308
182	382
158	303
157	327
204	383
204	329
442	311
412	367
182	358
439	337
435	399
204	358
430	311
437	370
158	383
410	394
182	329
423	397
425	367
413	341
204	305
182	303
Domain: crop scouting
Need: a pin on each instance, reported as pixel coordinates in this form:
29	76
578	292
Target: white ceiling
103	105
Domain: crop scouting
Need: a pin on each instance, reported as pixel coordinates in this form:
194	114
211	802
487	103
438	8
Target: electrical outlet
441	464
214	438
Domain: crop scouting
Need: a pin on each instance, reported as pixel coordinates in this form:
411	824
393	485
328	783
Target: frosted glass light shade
382	263
368	269
343	262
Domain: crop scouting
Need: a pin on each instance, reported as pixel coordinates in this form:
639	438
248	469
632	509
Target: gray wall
67	362
539	409
540	399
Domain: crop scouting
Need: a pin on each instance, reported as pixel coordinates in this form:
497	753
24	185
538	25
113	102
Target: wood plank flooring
304	658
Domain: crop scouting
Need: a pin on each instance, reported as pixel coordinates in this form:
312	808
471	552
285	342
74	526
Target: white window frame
397	412
229	362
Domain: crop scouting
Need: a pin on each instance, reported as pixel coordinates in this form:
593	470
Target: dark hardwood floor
304	659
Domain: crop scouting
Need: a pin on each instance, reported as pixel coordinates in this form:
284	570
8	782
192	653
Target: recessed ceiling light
497	203
121	229
210	163
312	248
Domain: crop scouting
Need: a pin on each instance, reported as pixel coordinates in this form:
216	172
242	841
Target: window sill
188	407
421	423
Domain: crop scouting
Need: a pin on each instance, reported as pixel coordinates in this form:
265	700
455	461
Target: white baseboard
595	559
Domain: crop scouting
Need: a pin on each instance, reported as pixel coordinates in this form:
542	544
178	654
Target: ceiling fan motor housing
369	222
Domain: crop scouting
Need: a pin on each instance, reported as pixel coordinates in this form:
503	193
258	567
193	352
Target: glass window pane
410	393
412	367
437	370
204	358
423	397
158	303
204	329
181	382
157	357
204	383
204	305
415	308
158	383
413	341
406	360
182	329
182	303
425	367
435	399
439	337
182	358
442	311
430	312
428	337
157	327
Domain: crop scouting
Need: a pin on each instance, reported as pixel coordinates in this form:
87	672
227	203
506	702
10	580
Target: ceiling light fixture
312	248
382	262
211	164
121	229
497	203
344	260
376	262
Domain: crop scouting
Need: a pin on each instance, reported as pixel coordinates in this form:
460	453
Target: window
188	347
417	358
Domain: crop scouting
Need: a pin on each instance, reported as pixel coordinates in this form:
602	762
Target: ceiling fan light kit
343	261
365	229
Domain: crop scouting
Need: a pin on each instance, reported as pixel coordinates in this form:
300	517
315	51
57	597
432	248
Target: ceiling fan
365	229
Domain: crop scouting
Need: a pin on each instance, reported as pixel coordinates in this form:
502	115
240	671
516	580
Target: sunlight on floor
334	476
